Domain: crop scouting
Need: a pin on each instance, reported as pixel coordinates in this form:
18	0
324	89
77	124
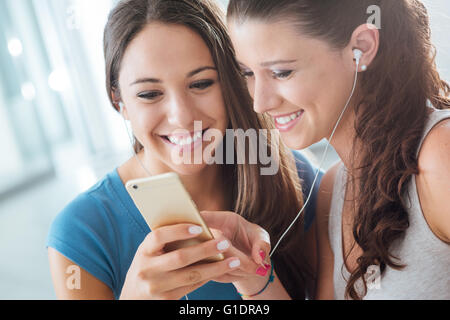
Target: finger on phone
248	265
198	273
216	233
258	236
158	238
187	256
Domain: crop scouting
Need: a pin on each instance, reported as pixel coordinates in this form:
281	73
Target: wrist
251	284
253	288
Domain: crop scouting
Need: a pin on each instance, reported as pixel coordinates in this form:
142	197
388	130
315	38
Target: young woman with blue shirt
169	64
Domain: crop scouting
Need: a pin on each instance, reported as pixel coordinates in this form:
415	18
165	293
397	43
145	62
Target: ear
367	39
117	102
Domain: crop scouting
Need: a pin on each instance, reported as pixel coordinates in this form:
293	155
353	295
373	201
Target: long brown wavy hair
270	201
391	108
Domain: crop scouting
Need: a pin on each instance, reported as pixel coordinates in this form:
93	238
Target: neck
205	187
343	141
344	145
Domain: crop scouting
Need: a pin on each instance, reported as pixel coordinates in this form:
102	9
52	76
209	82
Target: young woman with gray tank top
383	219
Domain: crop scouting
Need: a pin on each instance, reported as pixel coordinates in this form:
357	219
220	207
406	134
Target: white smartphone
163	201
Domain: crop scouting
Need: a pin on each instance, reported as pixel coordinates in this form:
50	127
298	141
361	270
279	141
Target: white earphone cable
132	146
321	162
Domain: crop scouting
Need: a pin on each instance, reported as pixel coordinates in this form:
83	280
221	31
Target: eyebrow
272	63
194	72
143	80
189	75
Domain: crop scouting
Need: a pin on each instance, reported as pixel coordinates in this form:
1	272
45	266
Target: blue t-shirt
101	230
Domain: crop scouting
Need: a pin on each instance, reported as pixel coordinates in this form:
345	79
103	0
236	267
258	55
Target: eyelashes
247	74
282	74
198	86
150	95
202	85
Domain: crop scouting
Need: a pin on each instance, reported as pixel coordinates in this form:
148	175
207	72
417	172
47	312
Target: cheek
300	93
320	91
251	87
214	108
145	123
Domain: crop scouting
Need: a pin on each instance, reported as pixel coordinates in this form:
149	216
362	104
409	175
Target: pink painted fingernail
262	254
261	271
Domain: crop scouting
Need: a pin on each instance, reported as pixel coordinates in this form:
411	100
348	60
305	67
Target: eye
283	74
247	74
202	85
150	95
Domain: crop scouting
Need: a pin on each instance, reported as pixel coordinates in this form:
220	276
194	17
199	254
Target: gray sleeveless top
427	258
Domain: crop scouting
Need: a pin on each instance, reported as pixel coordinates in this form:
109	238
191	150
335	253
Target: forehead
258	41
163	48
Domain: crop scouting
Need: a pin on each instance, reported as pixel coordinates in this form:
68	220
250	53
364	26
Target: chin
293	141
296	146
188	169
298	141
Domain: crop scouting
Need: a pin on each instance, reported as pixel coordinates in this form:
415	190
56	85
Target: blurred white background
58	133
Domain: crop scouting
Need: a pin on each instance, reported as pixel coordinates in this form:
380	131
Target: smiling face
168	81
302	83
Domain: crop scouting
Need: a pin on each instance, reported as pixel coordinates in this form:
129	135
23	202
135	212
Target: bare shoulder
433	180
436	146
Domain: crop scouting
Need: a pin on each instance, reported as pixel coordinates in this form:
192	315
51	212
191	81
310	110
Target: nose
181	112
265	96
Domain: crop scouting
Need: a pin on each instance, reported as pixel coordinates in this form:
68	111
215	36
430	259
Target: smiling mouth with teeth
285	120
185	140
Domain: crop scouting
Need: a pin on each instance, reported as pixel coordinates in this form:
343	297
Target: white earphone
120	104
357	54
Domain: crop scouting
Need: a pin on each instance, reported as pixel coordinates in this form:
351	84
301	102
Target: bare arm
71	282
433	180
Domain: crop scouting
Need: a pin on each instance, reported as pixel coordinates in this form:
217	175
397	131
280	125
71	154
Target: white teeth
287	119
186	141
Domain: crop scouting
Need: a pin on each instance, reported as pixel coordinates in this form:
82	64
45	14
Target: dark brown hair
392	98
270	201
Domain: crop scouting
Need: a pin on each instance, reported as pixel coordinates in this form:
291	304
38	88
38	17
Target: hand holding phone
163	201
175	222
156	274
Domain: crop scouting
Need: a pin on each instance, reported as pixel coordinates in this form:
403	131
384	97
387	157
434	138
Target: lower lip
288	126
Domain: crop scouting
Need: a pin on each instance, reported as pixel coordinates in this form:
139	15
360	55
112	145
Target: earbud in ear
357	54
120	104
